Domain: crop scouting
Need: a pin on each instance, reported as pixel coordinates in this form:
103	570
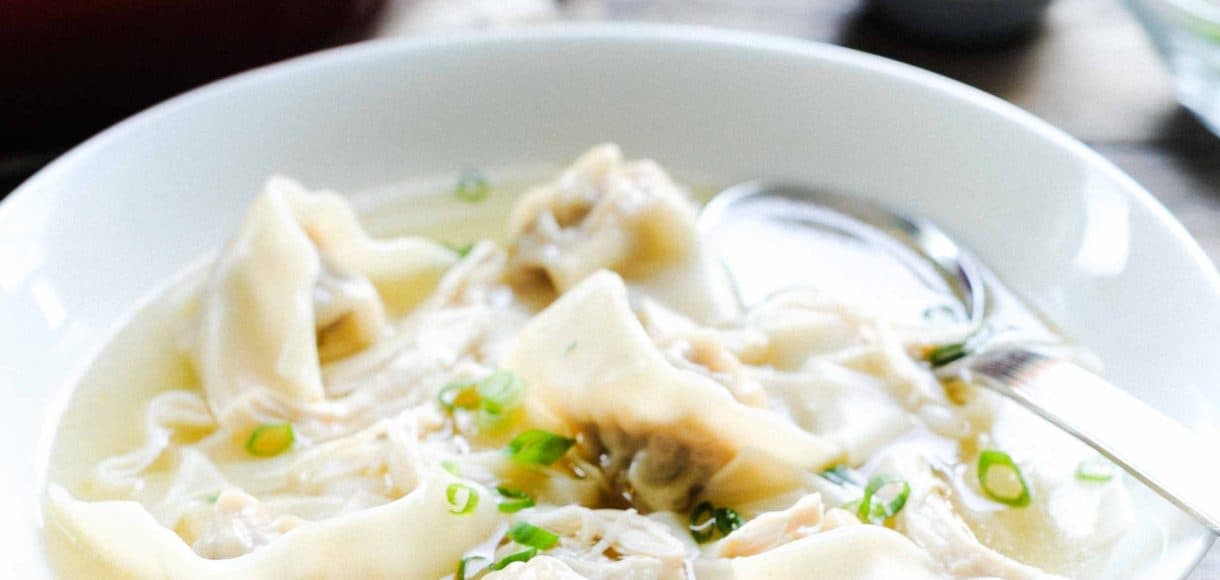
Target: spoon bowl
931	256
1058	390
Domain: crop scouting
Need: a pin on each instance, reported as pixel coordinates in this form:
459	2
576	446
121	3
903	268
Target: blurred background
1091	67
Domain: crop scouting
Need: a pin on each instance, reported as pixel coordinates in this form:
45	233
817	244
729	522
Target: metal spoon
1169	458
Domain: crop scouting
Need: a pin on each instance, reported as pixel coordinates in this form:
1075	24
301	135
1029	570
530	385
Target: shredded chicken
606	543
930	521
704	350
239	526
538	568
773	529
635	389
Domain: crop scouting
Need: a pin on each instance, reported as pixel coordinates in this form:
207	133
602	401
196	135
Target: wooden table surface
1088	70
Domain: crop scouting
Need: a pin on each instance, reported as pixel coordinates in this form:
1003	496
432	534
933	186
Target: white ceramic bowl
83	241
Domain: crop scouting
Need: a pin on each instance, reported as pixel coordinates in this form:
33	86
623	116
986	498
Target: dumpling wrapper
256	326
413	537
587	361
604	212
845	406
863	552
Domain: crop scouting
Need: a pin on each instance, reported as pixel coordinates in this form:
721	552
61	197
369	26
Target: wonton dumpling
404	270
590	365
256	323
850	408
297	255
413	537
605	213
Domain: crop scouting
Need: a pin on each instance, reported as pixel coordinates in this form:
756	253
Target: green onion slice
842	475
460	249
1009	494
462	498
458	394
494	397
501	391
538	447
472	186
727	520
451	467
707	519
270	439
514	500
500	394
703	522
463	563
522	556
943	355
1096	468
947	353
527	534
873	509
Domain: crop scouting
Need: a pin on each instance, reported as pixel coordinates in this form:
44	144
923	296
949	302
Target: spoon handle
1171	459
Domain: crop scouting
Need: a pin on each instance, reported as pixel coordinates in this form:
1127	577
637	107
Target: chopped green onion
707	519
472	187
462	564
727	520
212	498
451	467
501	391
538	447
1096	468
270	439
514	500
500	394
842	475
494	396
703	522
527	534
522	556
872	509
461	250
462	498
992	458
458	394
945	354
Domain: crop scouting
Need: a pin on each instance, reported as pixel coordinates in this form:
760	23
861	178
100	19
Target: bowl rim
622	32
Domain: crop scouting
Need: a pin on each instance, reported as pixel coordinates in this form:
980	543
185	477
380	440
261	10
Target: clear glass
1187	34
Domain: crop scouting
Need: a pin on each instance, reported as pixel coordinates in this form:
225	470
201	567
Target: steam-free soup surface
578	394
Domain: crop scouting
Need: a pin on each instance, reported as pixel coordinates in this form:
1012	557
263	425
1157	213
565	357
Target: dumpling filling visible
585	401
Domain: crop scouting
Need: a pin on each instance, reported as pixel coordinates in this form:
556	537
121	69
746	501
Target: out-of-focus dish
832	118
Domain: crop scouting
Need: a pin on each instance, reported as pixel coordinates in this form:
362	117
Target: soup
575	394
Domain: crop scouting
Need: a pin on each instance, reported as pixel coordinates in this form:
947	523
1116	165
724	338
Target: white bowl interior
84	240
